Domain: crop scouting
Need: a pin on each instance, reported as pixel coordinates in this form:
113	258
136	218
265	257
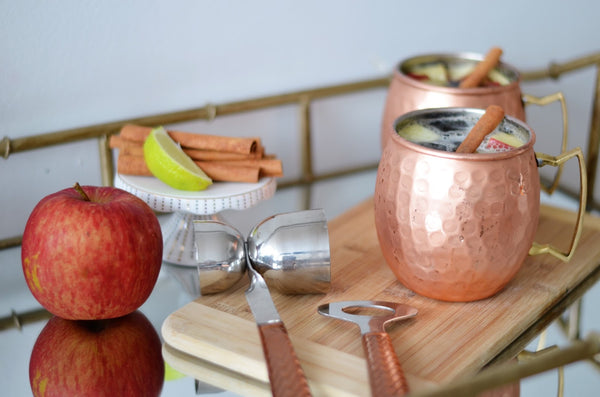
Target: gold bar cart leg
306	143
106	161
594	140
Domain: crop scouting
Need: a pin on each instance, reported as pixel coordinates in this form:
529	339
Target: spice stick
268	167
214	142
211	155
482	69
128	164
117	142
133	150
196	141
229	173
133	132
487	123
136	147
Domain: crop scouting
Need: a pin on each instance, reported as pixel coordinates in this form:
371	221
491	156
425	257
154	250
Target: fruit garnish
503	141
415	132
419	77
458	71
169	163
494	144
435	72
496	76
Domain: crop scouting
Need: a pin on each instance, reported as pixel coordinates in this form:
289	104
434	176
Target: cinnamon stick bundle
128	146
482	69
487	123
190	140
221	166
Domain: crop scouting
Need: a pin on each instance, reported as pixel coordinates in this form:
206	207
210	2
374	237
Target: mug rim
460	156
399	72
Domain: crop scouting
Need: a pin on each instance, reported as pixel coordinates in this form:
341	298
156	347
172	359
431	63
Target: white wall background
78	62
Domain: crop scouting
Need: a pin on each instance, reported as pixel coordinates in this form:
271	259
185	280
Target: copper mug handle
558	161
543	101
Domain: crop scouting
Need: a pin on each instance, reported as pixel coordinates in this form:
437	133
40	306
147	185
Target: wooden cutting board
215	339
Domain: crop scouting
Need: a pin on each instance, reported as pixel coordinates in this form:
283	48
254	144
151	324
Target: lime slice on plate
171	165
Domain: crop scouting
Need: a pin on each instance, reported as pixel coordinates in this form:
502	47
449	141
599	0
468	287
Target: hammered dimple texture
386	376
455	229
285	373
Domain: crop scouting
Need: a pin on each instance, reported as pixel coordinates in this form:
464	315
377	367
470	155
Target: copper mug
406	94
457	227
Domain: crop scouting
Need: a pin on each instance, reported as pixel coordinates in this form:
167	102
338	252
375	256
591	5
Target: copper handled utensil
291	250
385	373
285	373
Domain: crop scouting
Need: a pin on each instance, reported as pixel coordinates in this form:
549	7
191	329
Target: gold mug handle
557	161
543	101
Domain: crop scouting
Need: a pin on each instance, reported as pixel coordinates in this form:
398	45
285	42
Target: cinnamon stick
482	69
128	164
118	142
211	155
487	123
127	146
190	140
229	173
267	167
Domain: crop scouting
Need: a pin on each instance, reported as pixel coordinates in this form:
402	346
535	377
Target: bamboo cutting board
215	338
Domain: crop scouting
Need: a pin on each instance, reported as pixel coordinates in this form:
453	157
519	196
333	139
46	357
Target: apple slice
502	141
417	133
435	72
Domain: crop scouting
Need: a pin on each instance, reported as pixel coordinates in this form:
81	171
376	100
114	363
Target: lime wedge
170	164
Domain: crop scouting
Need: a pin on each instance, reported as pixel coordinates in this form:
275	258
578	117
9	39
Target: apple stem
80	191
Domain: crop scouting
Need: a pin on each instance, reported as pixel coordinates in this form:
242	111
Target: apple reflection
116	357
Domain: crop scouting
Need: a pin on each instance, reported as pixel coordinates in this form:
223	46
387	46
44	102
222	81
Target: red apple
91	253
116	357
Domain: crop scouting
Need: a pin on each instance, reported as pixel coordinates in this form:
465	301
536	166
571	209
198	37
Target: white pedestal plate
178	232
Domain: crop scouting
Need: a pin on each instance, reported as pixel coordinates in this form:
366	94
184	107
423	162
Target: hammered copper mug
457	227
406	94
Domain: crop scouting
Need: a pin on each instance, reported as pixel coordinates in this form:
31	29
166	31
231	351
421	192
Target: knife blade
285	373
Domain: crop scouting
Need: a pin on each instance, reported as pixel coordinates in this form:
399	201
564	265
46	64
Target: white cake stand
178	232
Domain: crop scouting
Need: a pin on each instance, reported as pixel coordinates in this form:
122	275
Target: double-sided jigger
289	250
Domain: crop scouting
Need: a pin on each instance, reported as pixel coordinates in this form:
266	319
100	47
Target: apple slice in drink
502	141
418	133
434	73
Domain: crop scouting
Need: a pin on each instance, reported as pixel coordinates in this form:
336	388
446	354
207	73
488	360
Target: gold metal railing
209	112
303	98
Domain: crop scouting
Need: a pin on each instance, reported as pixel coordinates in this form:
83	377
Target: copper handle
385	373
285	373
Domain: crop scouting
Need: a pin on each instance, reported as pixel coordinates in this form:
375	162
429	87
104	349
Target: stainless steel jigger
290	251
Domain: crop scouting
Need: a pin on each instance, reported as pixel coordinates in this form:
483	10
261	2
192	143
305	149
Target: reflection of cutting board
215	339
